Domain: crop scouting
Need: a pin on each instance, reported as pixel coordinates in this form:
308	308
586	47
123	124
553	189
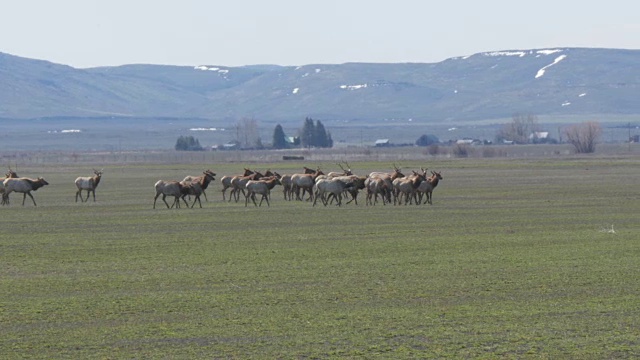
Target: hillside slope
490	85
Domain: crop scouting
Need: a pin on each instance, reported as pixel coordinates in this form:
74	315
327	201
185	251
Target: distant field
526	257
117	135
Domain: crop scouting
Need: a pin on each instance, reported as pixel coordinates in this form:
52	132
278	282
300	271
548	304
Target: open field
516	258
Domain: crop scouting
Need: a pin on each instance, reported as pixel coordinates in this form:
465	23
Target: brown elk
89	183
226	182
426	187
407	187
207	174
196	186
24	186
239	184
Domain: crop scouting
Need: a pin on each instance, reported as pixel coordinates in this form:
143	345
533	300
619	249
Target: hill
483	86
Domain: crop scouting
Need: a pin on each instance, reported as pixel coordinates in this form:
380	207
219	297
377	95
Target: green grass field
514	259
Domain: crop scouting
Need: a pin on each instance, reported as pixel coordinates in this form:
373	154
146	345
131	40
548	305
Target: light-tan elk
10	174
24	186
170	188
287	183
388	179
226	182
239	185
326	188
89	183
304	183
261	187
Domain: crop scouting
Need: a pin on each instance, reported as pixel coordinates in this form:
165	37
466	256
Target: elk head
347	171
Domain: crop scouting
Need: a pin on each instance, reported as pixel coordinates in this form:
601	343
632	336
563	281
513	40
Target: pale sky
89	33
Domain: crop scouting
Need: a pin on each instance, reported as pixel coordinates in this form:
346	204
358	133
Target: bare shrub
519	129
489	152
583	136
434	149
461	150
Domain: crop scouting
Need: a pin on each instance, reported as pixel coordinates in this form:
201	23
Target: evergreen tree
320	135
279	138
188	143
308	133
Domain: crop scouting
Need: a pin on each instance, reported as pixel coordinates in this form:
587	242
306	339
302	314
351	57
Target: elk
388	178
262	187
345	172
10	174
333	187
305	183
239	185
426	187
196	186
207	175
170	188
24	186
287	183
89	183
226	182
408	187
358	183
377	186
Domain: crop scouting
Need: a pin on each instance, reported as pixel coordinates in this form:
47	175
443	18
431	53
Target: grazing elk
9	175
226	182
196	186
89	183
426	187
24	186
170	188
208	176
262	187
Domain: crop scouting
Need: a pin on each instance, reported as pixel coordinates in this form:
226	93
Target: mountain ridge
478	87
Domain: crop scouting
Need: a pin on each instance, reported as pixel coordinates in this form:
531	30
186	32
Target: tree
320	138
519	129
583	136
247	133
426	140
307	133
188	143
279	138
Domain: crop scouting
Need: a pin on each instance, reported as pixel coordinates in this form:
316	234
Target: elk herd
310	185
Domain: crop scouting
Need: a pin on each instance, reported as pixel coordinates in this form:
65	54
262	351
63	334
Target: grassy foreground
515	259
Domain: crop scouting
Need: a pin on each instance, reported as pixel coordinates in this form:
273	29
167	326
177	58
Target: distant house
539	135
382	143
231	145
465	141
